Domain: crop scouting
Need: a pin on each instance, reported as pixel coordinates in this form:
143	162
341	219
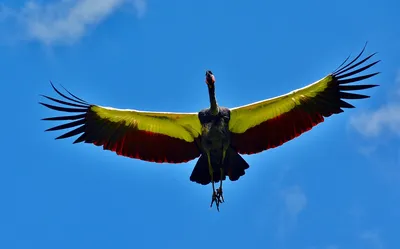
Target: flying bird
216	135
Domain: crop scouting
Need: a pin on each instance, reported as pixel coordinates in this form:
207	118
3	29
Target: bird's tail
200	173
234	167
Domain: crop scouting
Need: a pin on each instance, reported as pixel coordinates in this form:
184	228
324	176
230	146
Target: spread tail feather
234	167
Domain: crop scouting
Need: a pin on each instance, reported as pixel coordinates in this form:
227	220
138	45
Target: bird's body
215	138
216	135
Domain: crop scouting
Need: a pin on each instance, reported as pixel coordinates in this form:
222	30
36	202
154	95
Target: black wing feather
63	102
78	121
77	101
73	117
342	76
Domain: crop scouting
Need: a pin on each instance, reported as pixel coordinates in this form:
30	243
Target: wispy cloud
381	128
373	239
372	124
397	92
64	21
384	119
295	201
327	247
332	247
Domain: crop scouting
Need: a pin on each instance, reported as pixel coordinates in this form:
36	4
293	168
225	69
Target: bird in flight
217	135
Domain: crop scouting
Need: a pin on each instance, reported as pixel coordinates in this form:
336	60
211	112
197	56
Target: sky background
335	187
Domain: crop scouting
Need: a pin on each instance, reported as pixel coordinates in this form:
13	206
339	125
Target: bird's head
210	78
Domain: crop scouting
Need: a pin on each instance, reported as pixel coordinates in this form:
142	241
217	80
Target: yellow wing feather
150	136
269	123
184	126
248	116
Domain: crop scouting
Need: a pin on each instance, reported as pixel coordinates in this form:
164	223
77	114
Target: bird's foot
220	195
216	197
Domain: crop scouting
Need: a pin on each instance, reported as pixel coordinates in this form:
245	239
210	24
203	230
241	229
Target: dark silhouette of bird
217	135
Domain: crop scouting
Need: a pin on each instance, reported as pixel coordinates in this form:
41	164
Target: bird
218	136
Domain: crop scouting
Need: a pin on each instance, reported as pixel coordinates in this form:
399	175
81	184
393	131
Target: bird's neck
213	100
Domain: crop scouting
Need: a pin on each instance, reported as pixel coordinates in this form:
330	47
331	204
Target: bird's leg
219	191
215	196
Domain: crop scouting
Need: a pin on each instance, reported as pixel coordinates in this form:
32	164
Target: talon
216	199
213	198
220	195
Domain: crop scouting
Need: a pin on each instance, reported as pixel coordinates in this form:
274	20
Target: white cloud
327	247
397	92
367	150
372	124
65	21
295	200
384	119
332	247
140	6
373	239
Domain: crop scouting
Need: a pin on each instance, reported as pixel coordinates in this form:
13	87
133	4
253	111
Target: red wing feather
299	111
144	145
125	140
275	132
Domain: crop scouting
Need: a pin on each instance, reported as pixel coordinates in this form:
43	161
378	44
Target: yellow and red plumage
217	135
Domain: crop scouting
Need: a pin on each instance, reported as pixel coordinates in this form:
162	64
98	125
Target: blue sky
335	187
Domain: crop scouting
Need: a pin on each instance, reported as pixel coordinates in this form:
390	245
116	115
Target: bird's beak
210	79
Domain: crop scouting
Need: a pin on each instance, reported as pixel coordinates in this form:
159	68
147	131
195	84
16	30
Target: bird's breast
215	130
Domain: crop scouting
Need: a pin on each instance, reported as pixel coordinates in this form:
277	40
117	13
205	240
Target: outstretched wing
150	136
270	123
